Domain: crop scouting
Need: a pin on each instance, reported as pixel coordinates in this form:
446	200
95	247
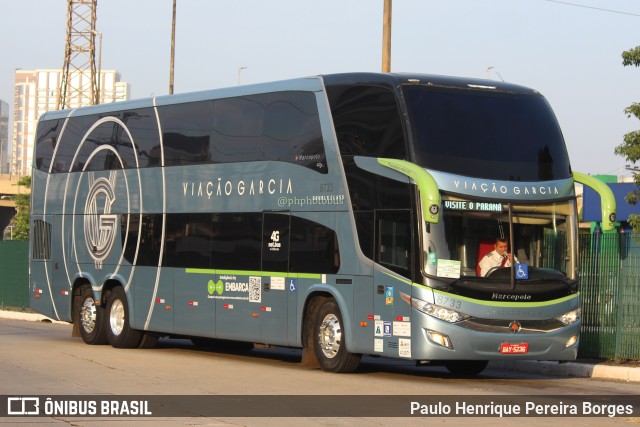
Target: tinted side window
314	248
393	240
101	160
292	130
232	241
185	132
147	227
71	137
188	241
143	126
47	136
237	240
140	126
237	130
367	121
282	126
370	193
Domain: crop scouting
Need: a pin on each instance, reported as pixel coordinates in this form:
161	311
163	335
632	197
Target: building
5	152
36	92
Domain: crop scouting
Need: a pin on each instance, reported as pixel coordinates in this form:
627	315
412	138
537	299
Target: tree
20	222
630	148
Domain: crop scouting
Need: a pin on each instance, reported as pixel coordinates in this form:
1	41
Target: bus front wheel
119	333
330	340
90	318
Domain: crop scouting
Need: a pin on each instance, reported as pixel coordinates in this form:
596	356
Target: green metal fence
14	273
610	287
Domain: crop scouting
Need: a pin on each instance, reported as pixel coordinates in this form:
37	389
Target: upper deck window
486	134
279	126
282	126
367	121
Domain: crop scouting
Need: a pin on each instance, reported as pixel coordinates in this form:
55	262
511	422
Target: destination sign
467	205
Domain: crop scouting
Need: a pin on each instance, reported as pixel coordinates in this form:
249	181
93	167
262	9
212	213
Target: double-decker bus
343	214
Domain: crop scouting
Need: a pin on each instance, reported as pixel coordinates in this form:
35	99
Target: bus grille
41	248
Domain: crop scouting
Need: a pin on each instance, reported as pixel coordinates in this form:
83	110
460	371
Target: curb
31	317
568	369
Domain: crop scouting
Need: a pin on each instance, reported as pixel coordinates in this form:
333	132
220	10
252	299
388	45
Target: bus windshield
543	238
484	133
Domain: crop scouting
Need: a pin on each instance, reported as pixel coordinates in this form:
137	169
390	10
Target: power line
593	8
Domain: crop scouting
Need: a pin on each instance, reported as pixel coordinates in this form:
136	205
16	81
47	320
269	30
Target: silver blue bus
343	214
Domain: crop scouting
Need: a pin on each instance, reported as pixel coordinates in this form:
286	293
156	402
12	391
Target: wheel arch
312	302
107	287
76	300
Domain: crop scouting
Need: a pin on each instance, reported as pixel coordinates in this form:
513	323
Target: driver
499	257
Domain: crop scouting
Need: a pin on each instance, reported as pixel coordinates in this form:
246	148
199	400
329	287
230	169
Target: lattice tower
79	85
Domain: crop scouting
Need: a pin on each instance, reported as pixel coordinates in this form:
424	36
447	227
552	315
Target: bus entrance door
392	331
275	286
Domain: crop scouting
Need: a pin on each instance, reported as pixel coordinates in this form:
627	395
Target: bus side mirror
427	186
607	199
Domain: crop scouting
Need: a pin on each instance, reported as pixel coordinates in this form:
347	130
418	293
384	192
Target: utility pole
386	37
79	85
173	48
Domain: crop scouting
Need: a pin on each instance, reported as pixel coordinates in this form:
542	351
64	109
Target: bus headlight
439	339
571	317
438	312
572	341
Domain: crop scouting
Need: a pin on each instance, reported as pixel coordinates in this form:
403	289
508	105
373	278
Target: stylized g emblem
100	225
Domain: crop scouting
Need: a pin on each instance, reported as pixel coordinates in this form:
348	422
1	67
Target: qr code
255	283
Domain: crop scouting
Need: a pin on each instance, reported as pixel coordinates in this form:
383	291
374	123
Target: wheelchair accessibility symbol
522	271
292	285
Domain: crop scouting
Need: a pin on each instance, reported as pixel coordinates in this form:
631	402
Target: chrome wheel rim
330	336
116	317
88	315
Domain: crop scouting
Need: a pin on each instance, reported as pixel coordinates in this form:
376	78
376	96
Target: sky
570	51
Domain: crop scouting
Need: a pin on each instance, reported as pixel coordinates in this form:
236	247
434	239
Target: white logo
23	406
275	245
100	225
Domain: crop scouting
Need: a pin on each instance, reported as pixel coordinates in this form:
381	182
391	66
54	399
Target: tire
148	341
330	340
119	333
90	318
466	368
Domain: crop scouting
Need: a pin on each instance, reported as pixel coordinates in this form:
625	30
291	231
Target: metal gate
610	288
14	273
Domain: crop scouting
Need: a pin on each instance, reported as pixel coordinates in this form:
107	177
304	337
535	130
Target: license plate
506	348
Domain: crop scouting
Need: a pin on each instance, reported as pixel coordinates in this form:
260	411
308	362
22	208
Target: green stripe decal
253	273
400	278
507	304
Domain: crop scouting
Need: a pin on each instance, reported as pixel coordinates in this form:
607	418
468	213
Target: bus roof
312	83
396	79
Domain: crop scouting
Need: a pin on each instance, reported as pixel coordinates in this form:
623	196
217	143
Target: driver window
393	240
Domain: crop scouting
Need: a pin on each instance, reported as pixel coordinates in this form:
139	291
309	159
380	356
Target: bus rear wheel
119	332
330	340
90	318
466	368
